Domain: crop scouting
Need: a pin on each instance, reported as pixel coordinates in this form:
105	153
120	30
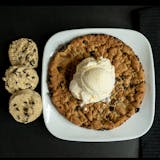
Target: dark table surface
39	23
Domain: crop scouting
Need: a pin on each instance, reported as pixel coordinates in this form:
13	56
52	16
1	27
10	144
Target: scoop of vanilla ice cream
93	81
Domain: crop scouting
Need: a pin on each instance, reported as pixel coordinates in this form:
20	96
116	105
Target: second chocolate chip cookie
20	77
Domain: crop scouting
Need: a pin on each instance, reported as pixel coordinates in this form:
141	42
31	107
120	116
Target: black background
39	22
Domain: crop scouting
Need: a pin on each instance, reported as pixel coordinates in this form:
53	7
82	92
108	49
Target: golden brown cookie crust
126	96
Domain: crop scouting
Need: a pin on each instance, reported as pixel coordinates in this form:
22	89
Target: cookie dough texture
126	96
25	106
23	51
20	77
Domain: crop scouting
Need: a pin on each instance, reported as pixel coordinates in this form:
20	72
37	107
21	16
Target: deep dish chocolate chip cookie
24	52
129	88
25	106
20	77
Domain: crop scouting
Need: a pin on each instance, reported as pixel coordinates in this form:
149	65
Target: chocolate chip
124	53
33	77
113	101
94	34
50	93
14	105
123	77
107	116
111	108
32	62
17	109
14	71
137	57
27	57
127	97
33	103
59	68
137	110
34	50
77	108
6	84
28	84
107	49
60	107
27	75
125	87
20	57
85	42
18	117
118	79
24	71
25	109
61	48
92	53
26	114
25	102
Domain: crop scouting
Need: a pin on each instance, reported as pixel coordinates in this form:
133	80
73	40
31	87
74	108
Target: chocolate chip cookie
24	52
25	106
20	77
129	88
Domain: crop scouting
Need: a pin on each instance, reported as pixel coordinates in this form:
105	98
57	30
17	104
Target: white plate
136	126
